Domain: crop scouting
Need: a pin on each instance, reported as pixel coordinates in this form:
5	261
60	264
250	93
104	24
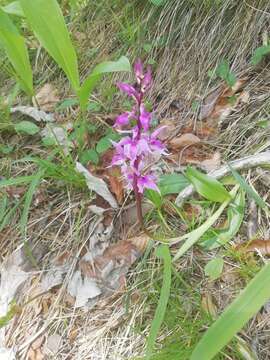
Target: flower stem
138	198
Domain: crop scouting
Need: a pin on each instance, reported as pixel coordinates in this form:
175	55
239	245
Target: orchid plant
136	152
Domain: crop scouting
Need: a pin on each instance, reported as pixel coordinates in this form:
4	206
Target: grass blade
247	188
122	64
16	181
163	252
28	199
47	21
16	51
250	300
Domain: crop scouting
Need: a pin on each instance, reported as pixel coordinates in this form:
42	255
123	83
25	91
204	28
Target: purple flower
128	89
136	152
147	182
145	118
147	80
138	69
122	119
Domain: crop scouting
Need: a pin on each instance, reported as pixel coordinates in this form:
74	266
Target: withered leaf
184	140
258	245
116	183
47	97
212	163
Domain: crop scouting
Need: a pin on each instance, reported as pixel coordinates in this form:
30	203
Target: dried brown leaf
184	140
140	242
116	183
47	97
212	163
209	104
261	246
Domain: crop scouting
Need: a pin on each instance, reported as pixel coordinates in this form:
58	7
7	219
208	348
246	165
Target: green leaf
195	235
46	20
247	188
172	183
214	268
235	216
246	305
163	252
105	143
224	72
259	53
154	197
207	186
14	45
93	106
66	104
49	141
26	127
6	149
12	311
14	8
89	155
91	81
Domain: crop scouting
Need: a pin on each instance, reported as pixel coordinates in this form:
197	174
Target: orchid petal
122	119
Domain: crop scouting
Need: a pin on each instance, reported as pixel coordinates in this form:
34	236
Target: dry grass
186	42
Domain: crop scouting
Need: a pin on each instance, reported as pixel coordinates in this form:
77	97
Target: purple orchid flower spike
138	69
128	89
132	153
145	118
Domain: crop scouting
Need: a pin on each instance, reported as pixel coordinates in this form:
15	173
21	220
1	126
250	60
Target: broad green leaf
6	149
235	216
91	81
224	72
15	48
154	197
106	142
26	127
259	53
247	188
214	268
195	235
89	155
14	8
93	106
232	320
163	252
207	186
47	21
66	104
172	183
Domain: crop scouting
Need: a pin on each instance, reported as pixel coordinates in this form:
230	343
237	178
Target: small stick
243	163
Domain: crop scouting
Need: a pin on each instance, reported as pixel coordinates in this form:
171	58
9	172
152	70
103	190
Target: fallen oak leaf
209	103
212	163
184	140
261	246
47	97
116	183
